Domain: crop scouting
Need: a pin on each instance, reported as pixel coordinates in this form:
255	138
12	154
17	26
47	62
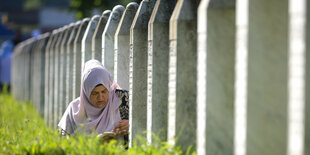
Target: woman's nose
100	96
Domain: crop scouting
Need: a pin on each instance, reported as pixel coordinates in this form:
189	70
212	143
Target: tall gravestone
241	72
307	85
216	62
45	39
121	45
16	73
33	73
22	69
87	39
47	74
183	74
52	78
108	38
57	75
77	58
27	68
138	70
298	78
158	64
69	70
38	75
96	39
267	98
63	69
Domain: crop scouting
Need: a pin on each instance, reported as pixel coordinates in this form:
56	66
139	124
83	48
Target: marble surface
108	38
96	39
138	70
77	53
121	45
69	69
267	77
183	75
158	64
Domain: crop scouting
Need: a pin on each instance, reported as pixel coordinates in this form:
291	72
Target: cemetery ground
23	131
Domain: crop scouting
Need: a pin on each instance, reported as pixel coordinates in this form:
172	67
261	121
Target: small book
106	135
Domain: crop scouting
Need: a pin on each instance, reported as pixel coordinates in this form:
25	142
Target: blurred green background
46	15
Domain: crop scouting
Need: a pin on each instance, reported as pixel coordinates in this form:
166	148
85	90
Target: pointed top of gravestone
132	6
86	20
44	35
117	13
63	28
70	26
143	14
127	18
118	8
77	22
95	17
54	31
106	12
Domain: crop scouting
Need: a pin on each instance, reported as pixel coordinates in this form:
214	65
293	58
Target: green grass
23	131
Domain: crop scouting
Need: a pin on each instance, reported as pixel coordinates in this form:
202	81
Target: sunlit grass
23	131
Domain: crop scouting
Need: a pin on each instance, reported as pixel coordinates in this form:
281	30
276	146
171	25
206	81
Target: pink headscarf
81	115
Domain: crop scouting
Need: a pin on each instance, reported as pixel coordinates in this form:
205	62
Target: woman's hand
122	128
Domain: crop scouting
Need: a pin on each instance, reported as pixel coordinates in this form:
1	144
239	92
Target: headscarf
81	115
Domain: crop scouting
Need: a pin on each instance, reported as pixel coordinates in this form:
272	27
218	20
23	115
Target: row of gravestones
228	77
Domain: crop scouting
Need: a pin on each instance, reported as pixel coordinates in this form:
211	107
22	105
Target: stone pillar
307	85
158	64
52	79
57	75
69	70
108	38
38	75
182	74
138	70
47	75
87	39
16	72
34	63
267	98
20	70
121	45
97	40
216	61
241	73
63	71
77	58
27	66
23	70
298	78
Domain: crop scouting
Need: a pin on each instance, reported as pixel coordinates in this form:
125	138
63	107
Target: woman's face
99	96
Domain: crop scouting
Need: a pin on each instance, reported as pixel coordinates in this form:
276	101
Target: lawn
23	131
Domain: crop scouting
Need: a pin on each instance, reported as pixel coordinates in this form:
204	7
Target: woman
101	107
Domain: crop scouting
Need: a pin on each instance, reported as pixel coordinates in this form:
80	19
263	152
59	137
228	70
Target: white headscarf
81	115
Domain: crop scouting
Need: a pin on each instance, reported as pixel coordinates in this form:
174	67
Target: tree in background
84	8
